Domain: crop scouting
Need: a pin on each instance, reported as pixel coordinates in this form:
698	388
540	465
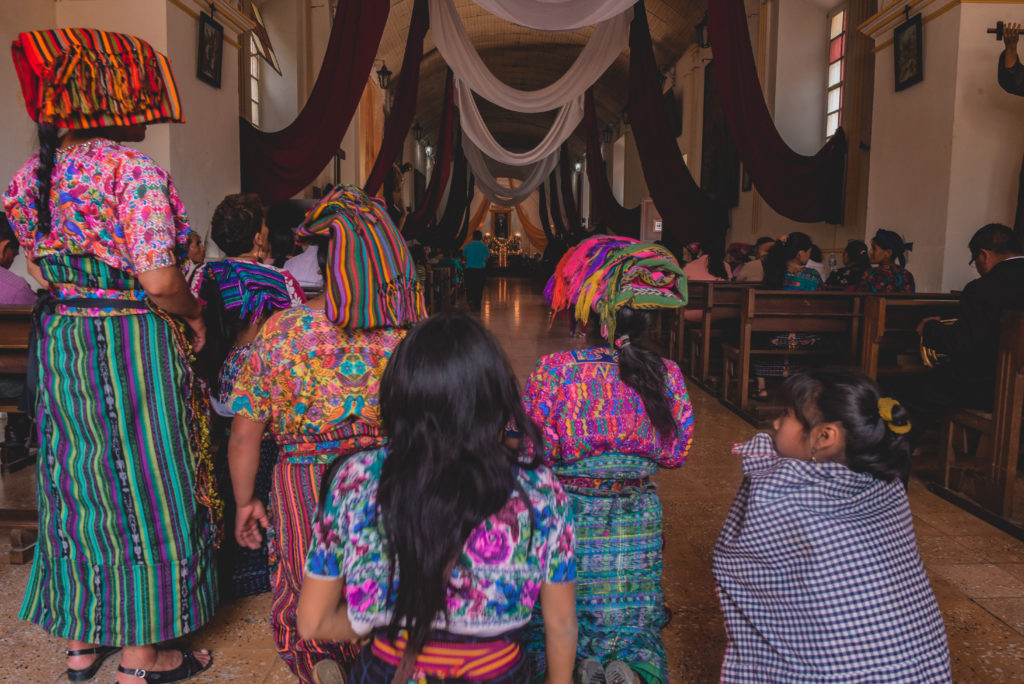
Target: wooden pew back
890	325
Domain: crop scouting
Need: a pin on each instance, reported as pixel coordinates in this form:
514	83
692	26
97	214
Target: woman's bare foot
152	659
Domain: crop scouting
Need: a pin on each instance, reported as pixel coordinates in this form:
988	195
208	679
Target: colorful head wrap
604	274
252	289
887	239
84	78
371	279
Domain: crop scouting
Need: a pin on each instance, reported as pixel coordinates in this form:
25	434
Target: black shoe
86	673
189	668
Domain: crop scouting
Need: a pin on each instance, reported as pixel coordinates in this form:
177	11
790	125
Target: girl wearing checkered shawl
612	415
817	567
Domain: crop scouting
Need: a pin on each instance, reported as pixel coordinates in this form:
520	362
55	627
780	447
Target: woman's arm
243	462
166	287
558	608
322	612
36	272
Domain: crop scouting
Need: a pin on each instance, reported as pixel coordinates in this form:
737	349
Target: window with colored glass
254	82
836	72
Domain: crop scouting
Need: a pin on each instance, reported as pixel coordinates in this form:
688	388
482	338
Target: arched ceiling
527	59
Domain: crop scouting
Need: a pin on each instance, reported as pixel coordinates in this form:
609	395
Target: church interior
776	168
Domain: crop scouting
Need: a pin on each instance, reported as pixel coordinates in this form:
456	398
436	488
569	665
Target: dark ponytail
446	398
873	445
777	262
643	370
48	142
715	249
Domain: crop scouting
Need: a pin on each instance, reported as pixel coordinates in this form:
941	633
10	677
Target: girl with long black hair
439	544
612	415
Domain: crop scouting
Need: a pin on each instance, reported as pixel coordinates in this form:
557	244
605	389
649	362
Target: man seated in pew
1011	73
14	291
967	378
754	271
889	275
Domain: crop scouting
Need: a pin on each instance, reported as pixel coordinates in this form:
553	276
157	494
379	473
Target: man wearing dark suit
967	379
1011	72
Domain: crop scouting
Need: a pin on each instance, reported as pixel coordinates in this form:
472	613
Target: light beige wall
283	94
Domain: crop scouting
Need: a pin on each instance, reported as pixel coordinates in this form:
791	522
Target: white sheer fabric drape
606	43
556	15
498	193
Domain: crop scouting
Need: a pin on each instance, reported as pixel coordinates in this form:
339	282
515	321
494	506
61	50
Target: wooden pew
719	305
988	476
838	314
15	326
890	345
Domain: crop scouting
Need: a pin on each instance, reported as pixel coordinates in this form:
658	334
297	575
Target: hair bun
896	417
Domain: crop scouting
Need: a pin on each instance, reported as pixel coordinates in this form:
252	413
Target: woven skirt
125	553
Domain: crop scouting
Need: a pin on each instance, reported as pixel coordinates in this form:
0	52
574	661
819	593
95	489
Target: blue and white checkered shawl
820	580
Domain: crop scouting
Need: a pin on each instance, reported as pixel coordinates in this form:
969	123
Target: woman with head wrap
128	515
311	379
889	254
611	415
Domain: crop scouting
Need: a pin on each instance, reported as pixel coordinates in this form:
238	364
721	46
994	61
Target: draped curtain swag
801	188
688	213
572	214
500	194
556	15
545	224
618	219
556	211
524	210
278	165
404	108
425	214
460	236
451	220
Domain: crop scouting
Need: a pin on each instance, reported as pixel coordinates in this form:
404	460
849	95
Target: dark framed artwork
211	50
908	53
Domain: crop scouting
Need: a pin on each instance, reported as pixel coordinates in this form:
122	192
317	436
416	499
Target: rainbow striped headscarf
253	289
371	279
603	274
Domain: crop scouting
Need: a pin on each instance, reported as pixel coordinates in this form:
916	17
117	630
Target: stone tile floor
976	570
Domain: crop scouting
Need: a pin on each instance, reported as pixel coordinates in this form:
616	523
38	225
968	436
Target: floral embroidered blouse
314	382
108	201
806	279
585	410
495	582
889	278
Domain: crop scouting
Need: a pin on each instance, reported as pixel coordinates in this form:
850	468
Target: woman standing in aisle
127	510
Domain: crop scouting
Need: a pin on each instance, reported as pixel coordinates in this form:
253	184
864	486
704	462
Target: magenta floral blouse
497	579
108	201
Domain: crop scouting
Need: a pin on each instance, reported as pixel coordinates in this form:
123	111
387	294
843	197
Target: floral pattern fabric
496	581
108	201
806	279
584	409
890	278
309	378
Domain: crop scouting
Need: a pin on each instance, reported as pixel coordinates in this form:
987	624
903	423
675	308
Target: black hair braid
644	371
48	142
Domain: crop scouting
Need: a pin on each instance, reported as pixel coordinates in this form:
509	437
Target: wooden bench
15	326
987	477
890	345
838	314
719	306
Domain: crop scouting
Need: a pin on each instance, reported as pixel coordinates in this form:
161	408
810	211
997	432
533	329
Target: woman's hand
198	329
248	521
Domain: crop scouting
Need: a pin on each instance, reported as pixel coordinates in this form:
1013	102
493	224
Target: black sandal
189	668
87	673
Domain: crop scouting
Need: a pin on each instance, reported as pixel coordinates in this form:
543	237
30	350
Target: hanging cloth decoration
688	213
426	213
460	236
278	165
442	232
556	210
572	213
371	278
404	108
556	15
604	46
619	220
496	192
545	223
525	211
801	188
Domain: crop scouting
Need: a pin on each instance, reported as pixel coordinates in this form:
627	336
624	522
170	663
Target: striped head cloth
371	279
85	78
252	289
603	274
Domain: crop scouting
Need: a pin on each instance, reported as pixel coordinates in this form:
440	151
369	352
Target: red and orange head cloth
371	278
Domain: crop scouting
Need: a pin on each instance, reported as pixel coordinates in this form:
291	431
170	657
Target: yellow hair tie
885	407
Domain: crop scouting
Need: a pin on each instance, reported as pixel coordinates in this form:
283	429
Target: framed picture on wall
211	50
908	53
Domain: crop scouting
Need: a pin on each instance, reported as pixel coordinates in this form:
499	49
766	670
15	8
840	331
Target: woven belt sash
475	662
603	484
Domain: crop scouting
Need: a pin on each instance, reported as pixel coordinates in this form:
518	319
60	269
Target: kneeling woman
611	415
439	545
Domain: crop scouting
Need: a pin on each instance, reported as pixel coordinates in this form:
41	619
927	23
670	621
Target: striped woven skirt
125	553
620	606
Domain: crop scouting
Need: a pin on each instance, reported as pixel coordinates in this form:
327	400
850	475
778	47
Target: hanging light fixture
578	167
607	134
428	149
417	131
384	76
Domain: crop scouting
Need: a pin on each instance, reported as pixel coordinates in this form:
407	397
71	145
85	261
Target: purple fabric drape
404	107
425	214
555	209
688	214
807	189
545	223
275	166
451	220
572	213
619	220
